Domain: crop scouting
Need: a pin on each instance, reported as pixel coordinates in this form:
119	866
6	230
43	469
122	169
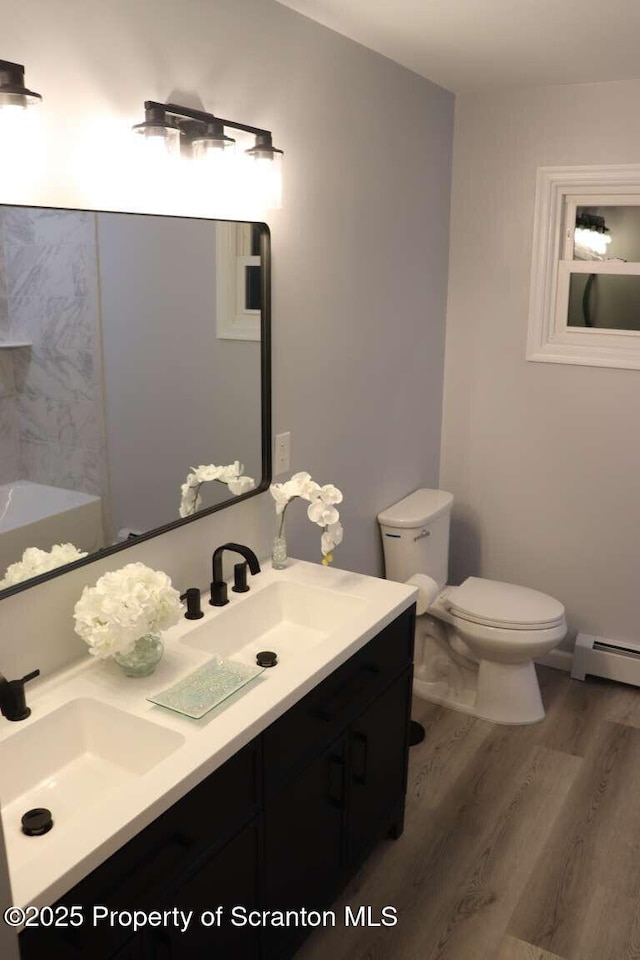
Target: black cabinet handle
336	781
343	697
359	757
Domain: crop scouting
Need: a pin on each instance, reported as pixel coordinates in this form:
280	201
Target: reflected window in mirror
114	381
585	281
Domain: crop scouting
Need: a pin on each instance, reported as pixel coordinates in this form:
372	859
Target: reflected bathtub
36	515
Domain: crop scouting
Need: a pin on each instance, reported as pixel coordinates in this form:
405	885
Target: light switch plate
282	454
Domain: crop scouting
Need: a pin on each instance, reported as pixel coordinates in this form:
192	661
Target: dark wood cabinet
303	828
281	826
377	780
219	884
323	822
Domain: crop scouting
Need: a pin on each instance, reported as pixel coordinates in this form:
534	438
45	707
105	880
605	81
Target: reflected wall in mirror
118	373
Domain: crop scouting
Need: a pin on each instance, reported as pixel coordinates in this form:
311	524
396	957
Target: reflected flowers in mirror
232	475
36	561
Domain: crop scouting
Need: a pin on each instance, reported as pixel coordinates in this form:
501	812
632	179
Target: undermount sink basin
74	757
288	618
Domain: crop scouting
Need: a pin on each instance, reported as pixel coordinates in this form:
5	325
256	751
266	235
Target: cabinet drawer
136	876
323	714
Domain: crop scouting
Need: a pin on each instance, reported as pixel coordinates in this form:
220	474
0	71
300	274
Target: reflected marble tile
9	460
65	378
3	267
61	465
64	325
75	423
7	379
58	270
5	319
28	225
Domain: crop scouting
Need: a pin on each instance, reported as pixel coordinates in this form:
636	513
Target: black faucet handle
219	594
194	610
14	704
240	577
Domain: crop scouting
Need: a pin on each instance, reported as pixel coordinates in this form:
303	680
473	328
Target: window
584	304
239	281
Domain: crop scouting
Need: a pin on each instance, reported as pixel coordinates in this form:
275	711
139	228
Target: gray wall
175	395
542	458
360	248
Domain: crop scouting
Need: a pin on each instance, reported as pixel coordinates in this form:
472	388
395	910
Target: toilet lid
505	605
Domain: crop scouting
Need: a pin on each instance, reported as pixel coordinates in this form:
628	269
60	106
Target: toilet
475	643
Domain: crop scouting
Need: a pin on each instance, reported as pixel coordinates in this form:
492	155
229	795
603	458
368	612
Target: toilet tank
415	536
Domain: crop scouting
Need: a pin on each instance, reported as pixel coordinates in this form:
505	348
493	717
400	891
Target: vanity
230	834
266	805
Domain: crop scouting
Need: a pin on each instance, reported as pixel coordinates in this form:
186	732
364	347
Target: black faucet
13	705
218	585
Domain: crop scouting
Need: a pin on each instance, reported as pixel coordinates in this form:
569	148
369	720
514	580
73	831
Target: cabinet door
144	946
378	747
303	844
227	879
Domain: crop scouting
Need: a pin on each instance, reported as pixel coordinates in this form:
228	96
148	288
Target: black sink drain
266	658
37	822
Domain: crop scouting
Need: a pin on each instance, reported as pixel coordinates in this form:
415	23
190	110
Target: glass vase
279	553
144	658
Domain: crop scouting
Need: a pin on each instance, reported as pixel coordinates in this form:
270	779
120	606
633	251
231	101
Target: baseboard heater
612	659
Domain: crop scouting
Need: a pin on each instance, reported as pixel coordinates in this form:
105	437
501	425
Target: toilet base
501	692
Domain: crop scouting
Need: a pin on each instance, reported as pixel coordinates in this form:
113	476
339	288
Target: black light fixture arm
189	113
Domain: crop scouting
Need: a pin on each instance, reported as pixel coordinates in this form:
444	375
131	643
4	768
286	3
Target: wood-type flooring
520	843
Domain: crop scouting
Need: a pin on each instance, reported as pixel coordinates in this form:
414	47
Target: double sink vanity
269	802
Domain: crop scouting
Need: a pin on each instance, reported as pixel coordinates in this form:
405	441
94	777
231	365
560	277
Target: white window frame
233	320
559	190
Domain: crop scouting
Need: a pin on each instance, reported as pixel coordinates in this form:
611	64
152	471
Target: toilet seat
505	606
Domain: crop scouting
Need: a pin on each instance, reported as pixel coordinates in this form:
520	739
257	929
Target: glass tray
206	687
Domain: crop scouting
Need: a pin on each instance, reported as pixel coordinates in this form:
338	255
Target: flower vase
279	552
144	658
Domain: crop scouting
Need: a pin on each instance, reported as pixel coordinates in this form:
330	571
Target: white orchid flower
206	472
330	494
321	509
280	496
324	514
241	485
303	486
331	538
232	472
191	501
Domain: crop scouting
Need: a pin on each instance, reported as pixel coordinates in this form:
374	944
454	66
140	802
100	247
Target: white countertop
43	868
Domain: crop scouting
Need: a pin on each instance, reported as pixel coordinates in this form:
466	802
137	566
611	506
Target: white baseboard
558	659
600	657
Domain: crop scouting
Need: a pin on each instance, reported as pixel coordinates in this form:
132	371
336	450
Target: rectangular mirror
133	348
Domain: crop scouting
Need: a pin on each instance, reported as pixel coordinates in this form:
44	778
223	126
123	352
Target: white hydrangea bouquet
124	612
321	510
36	561
231	475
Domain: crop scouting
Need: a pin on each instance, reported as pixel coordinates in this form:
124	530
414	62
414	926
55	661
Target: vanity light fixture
13	93
183	131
